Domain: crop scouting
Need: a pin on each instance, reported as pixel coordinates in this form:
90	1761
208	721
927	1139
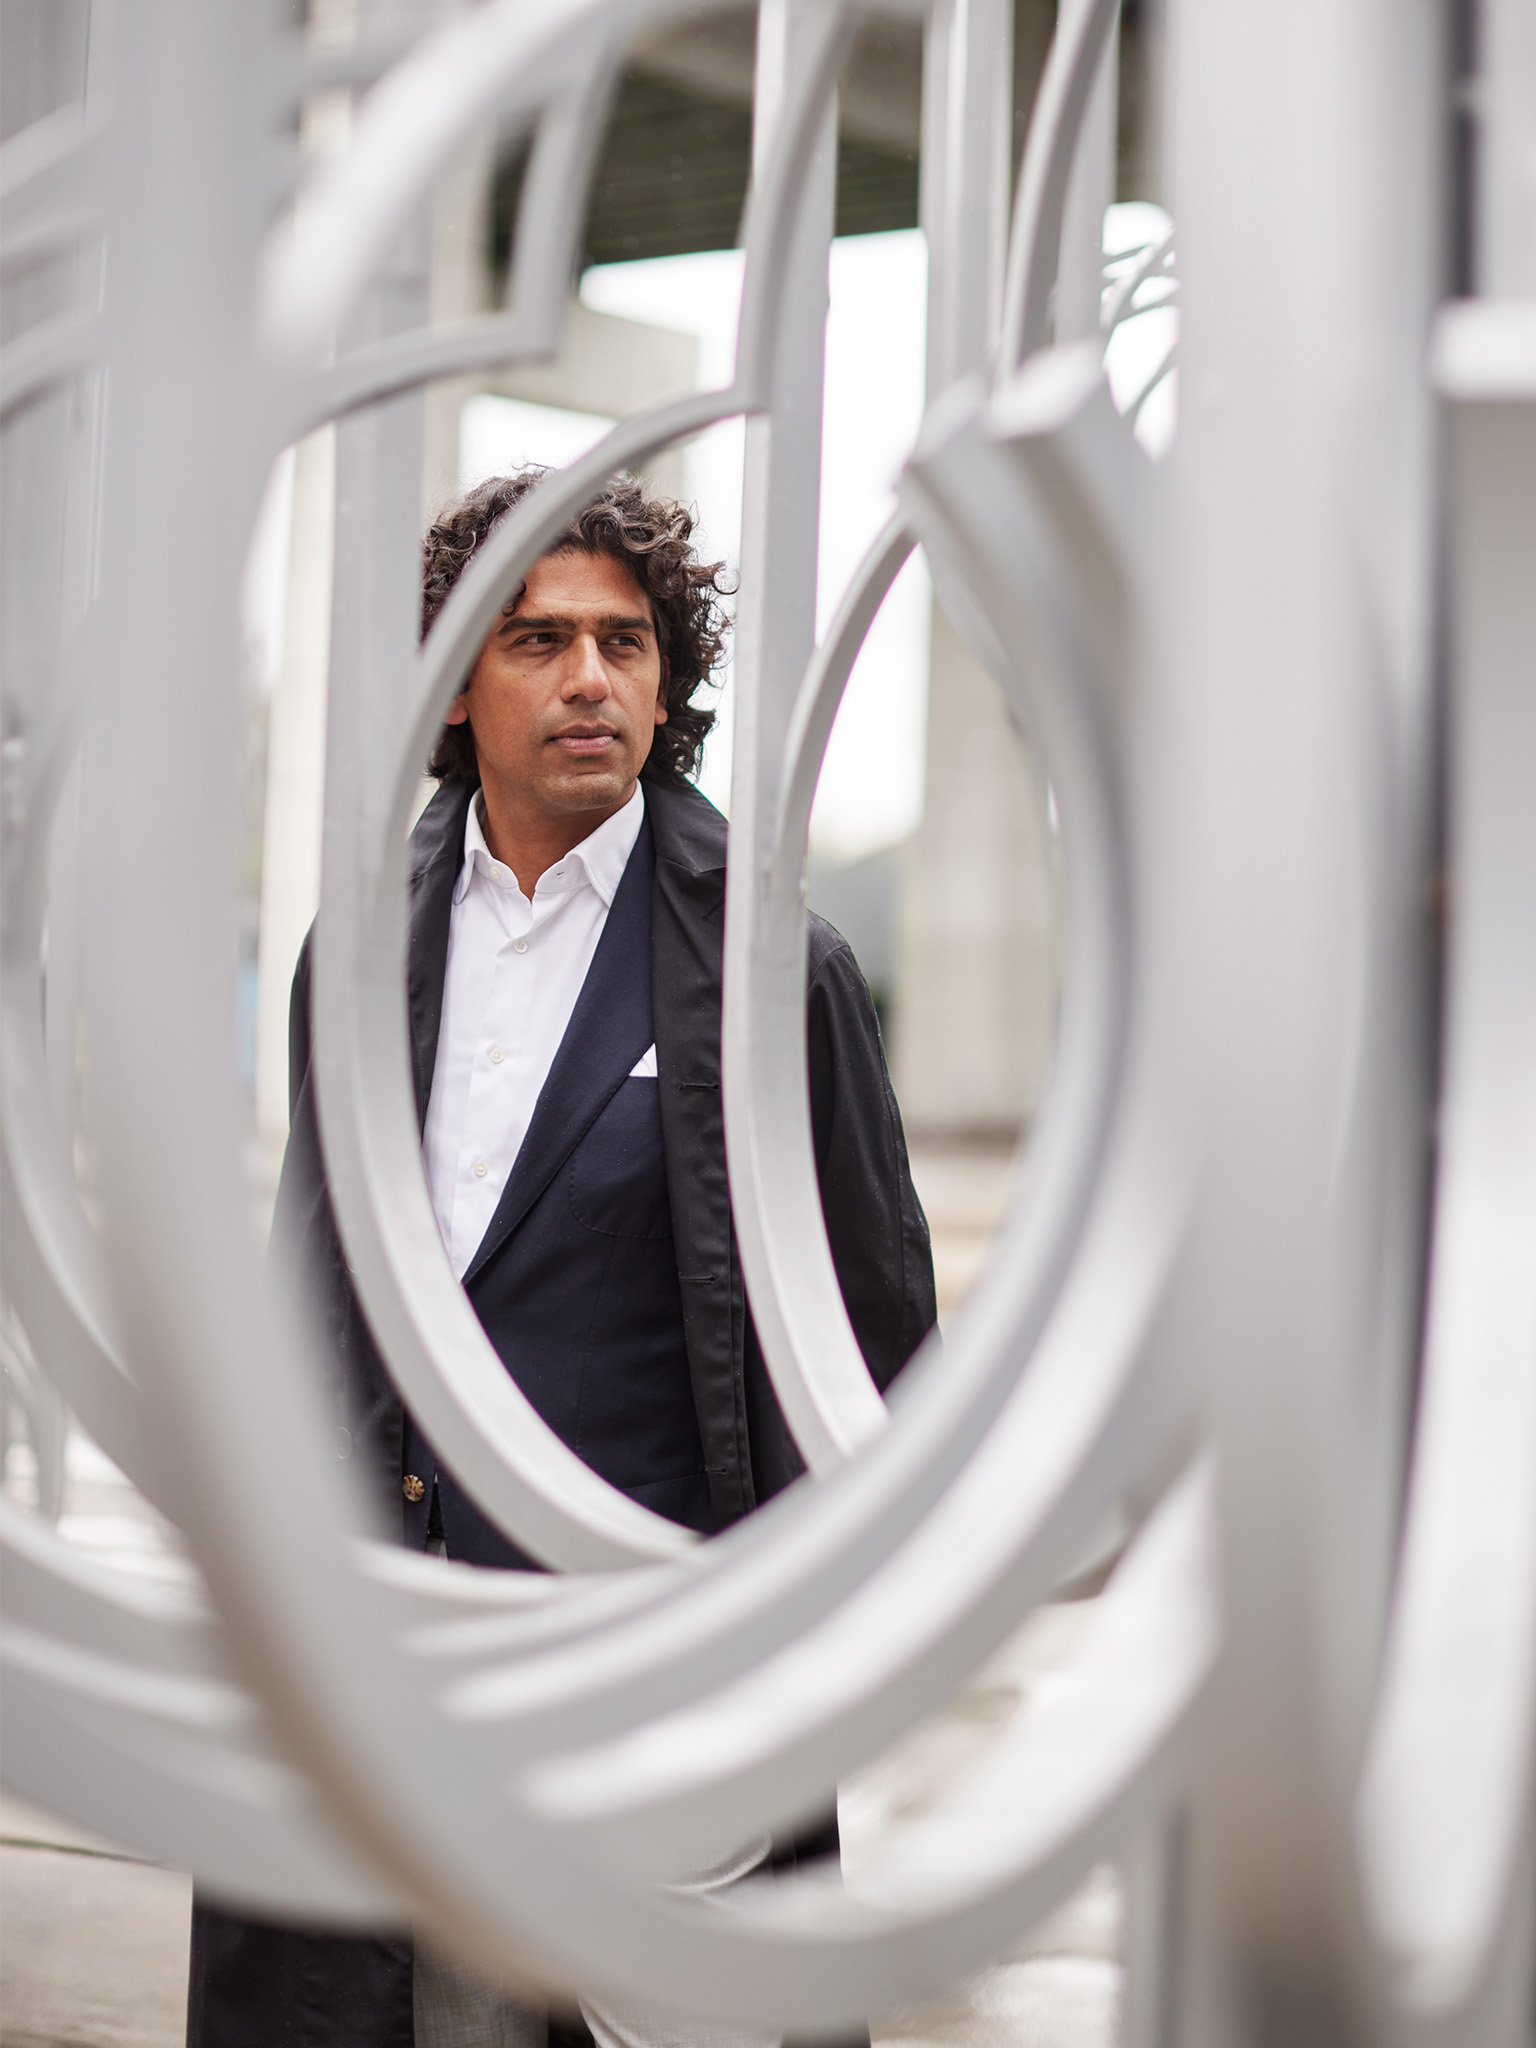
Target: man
567	915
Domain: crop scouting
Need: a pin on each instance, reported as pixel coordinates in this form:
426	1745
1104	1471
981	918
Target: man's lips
585	739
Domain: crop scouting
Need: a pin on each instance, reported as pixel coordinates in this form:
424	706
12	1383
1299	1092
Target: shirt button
413	1488
481	1169
519	945
497	1055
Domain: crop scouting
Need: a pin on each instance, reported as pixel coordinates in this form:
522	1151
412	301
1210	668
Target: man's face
566	694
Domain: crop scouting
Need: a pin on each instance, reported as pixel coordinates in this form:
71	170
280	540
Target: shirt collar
601	857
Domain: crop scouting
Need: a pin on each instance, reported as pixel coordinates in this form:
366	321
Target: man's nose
586	675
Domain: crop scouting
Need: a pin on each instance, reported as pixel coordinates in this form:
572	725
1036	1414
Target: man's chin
597	790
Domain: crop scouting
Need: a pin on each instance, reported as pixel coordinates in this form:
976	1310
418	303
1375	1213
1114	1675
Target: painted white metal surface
1304	1716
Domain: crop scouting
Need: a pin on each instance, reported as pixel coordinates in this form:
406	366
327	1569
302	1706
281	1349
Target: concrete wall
606	366
978	955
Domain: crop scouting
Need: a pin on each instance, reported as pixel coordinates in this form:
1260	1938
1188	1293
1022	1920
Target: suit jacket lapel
610	1029
688	932
437	857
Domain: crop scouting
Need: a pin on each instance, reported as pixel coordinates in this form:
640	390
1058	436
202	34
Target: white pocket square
644	1068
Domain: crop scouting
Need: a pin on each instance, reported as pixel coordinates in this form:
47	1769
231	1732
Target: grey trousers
456	2009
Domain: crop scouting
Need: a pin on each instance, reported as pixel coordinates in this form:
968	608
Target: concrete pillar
979	953
611	367
605	366
1080	279
461	289
979	956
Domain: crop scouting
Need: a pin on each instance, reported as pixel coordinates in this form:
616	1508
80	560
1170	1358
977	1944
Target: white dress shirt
514	972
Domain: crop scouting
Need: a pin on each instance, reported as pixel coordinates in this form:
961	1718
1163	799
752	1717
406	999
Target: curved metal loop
46	170
50	1263
622	1792
808	1344
504	59
515	1764
1445	1809
50	1260
524	1477
46	200
518	1470
1034	245
1065	1534
773	199
47	356
1164	369
248	1819
30	1394
549	219
1151	267
515	1684
490	568
812	1355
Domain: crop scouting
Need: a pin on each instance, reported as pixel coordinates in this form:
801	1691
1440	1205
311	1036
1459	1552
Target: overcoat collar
687	938
690	832
437	854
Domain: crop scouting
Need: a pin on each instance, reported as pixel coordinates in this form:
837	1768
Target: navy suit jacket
575	1280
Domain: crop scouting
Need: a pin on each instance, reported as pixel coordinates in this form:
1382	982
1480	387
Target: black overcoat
259	1985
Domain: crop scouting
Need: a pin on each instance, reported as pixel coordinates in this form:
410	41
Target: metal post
1080	279
1296	681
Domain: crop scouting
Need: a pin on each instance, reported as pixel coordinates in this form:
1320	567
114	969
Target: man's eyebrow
563	622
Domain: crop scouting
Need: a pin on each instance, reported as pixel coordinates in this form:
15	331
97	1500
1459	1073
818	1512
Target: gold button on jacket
412	1487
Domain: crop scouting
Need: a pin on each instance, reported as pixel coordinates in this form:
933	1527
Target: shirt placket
492	1125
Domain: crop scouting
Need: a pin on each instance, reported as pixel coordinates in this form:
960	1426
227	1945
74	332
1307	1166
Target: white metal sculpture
1241	1299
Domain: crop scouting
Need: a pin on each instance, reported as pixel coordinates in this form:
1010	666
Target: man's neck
531	842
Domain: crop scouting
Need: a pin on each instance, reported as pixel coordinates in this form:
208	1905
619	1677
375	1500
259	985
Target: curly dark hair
652	537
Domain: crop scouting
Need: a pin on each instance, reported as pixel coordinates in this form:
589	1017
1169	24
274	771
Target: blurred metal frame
1216	1244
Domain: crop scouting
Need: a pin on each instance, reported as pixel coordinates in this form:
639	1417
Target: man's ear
457	712
661	692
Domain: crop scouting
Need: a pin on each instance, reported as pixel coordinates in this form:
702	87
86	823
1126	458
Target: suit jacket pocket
618	1173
